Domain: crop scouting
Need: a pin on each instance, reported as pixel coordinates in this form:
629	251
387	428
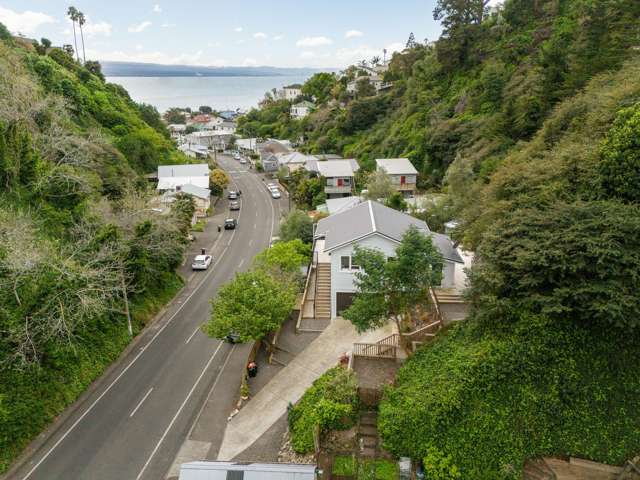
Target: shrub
577	261
331	403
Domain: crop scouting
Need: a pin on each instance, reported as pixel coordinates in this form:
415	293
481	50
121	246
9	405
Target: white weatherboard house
369	224
172	176
301	109
339	176
402	173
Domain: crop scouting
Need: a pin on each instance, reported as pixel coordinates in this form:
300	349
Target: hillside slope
76	236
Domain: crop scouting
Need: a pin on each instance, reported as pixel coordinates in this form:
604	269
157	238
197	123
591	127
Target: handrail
374	350
422	329
435	303
304	299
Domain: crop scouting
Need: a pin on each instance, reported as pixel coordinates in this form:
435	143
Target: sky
280	33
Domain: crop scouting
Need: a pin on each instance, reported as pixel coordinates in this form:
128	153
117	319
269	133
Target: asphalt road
133	424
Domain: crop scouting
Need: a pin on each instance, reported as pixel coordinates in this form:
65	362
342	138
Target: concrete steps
368	434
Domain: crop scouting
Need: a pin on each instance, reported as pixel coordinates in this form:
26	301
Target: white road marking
175	417
251	242
255	225
204	404
135	359
192	335
241	263
140	403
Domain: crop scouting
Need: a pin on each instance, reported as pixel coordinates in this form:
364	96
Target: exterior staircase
323	292
368	434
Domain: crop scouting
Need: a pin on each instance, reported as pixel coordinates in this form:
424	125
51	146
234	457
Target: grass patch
344	465
199	226
379	469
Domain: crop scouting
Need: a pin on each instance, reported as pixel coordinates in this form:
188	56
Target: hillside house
194	150
201	197
368	224
402	173
290	92
339	176
172	176
301	109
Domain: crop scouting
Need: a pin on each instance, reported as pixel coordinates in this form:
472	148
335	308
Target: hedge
488	399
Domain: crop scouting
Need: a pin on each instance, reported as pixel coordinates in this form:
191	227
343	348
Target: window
346	264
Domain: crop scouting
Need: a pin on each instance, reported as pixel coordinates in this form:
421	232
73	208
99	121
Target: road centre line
175	417
192	335
140	403
129	365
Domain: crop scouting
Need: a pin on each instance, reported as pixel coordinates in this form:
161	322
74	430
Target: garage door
343	301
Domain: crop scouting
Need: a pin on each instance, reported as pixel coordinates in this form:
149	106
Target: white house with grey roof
368	224
402	173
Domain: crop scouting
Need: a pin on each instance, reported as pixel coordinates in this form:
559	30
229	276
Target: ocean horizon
219	93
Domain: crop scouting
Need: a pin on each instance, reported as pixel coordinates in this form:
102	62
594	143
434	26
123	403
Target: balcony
331	189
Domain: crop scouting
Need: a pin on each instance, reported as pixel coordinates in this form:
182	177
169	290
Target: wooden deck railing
385	348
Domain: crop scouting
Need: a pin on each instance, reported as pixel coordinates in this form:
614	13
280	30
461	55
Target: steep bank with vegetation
526	121
78	242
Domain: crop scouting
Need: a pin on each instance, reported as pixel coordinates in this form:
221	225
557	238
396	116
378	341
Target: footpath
290	383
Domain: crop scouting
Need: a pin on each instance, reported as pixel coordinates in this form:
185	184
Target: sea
219	93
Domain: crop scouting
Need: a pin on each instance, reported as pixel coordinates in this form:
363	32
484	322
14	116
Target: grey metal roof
373	217
195	190
396	166
189	170
336	168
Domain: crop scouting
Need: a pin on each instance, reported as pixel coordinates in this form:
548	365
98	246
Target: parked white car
275	193
201	262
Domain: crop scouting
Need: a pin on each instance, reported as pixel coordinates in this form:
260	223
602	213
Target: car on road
230	224
236	155
232	195
243	161
271	185
234	205
275	193
201	262
232	338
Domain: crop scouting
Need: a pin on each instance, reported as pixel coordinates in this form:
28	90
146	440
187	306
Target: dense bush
572	262
76	231
331	403
491	398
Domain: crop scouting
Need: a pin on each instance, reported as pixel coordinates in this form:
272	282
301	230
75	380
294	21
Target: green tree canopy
577	261
252	305
284	259
297	224
379	185
620	165
388	288
319	86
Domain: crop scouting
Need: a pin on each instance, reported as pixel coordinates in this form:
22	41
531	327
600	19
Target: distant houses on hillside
301	109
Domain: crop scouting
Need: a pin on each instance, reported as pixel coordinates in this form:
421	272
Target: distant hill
130	69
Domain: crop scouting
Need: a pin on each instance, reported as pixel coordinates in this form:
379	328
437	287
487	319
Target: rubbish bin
252	369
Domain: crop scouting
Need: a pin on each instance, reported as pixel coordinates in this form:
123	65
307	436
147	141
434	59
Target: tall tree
252	305
388	289
81	21
72	13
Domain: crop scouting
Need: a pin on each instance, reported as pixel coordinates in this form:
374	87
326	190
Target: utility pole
123	285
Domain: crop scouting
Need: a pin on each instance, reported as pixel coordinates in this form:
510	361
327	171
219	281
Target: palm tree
72	13
81	21
375	61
